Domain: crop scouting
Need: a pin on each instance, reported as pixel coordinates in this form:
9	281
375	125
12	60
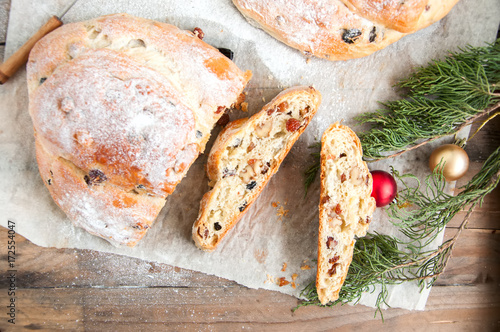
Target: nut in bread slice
245	156
345	207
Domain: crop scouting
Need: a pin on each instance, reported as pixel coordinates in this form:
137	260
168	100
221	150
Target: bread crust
202	234
342	29
121	107
341	216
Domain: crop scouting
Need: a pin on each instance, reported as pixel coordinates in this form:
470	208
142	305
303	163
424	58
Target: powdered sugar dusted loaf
342	29
121	107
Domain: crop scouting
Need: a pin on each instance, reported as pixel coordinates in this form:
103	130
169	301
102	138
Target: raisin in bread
245	156
342	29
121	107
345	208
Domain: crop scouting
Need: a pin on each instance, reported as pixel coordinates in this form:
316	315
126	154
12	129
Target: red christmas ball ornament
384	188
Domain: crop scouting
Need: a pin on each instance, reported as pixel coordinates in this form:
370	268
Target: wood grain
88	290
238	308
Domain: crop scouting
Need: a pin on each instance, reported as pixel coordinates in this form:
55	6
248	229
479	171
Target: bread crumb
284	267
305	266
282	282
282	213
269	279
293	285
274	204
294	276
308	60
244	106
263	99
238	104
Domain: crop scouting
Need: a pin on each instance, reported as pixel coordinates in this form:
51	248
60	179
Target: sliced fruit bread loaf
245	156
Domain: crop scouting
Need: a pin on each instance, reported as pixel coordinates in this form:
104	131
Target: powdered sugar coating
116	120
122	106
342	29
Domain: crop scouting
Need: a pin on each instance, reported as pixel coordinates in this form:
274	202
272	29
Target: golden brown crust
342	29
399	15
345	207
203	234
121	107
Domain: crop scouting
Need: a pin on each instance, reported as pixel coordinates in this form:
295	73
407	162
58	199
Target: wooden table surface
84	290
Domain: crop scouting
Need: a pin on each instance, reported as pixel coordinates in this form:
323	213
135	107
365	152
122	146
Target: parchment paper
281	227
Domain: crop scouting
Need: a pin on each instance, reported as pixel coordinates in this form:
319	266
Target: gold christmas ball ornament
454	160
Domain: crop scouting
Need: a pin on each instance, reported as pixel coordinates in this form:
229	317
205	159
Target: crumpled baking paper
281	227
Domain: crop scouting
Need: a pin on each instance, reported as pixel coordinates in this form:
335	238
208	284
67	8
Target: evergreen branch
382	260
471	120
441	99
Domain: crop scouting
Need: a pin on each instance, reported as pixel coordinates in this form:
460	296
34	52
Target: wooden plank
474	261
50	267
221	308
485	216
479	148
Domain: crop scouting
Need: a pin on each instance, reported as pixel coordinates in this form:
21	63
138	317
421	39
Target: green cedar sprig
438	100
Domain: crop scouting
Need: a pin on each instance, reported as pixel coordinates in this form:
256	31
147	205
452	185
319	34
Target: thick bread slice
345	207
245	156
121	107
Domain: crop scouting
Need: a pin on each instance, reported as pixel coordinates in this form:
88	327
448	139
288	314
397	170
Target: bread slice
345	207
245	156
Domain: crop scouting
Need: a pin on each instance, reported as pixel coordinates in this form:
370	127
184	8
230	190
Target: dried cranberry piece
331	243
265	168
199	33
292	125
333	270
334	259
